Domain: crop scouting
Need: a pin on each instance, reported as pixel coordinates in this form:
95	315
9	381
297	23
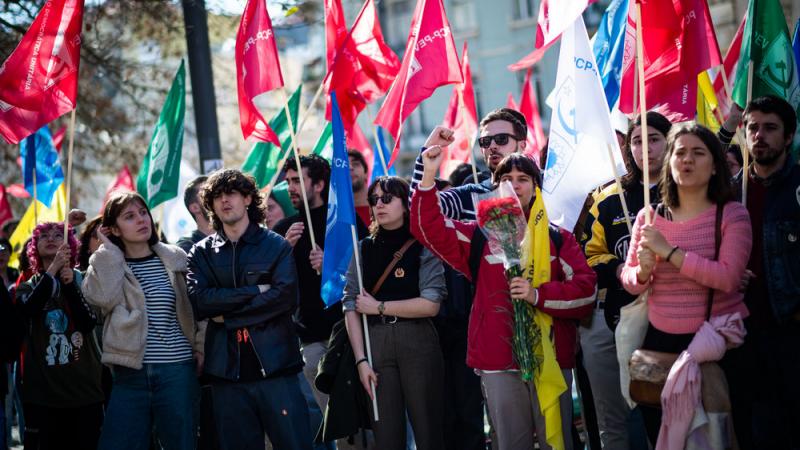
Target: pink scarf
682	390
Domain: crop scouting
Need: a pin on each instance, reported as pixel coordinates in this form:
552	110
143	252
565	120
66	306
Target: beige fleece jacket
110	285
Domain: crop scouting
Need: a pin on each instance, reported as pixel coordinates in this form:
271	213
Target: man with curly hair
243	279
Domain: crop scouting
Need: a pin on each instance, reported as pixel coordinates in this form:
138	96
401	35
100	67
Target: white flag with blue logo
580	131
341	215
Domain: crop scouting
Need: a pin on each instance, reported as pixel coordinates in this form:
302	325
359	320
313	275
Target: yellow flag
55	213
548	380
706	103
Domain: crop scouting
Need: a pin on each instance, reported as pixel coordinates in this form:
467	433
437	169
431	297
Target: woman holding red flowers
567	297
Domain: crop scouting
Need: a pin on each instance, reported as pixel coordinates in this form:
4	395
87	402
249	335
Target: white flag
178	221
580	131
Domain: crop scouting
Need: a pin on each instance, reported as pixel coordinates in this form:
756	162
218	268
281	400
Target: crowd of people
115	339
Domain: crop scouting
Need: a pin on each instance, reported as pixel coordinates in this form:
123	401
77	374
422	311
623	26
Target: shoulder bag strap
397	255
717	243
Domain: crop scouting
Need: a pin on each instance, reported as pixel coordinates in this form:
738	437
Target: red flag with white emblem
430	61
258	69
462	119
39	80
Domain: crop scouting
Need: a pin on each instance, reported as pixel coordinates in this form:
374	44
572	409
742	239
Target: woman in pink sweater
674	256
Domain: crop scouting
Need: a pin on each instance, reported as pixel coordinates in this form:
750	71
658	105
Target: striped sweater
677	302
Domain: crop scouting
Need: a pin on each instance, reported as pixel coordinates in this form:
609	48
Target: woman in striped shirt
150	337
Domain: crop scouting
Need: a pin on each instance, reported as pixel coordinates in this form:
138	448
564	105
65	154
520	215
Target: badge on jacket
399	272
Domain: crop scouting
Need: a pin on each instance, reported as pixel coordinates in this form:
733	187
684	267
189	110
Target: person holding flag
243	278
516	407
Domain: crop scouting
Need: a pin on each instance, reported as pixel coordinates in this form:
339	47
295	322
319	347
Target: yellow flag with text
55	213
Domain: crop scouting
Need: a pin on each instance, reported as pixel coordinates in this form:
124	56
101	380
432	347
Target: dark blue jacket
781	239
223	281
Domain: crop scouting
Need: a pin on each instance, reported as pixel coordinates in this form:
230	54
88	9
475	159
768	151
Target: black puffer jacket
223	281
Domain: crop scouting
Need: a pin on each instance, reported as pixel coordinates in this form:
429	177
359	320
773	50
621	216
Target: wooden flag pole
35	198
367	345
299	167
310	107
377	141
68	181
619	188
745	150
643	110
274	179
462	108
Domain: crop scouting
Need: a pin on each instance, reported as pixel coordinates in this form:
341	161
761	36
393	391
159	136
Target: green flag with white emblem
158	177
264	158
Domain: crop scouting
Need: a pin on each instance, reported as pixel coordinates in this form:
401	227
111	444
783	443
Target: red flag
258	69
511	103
679	43
462	119
364	68
554	18
123	182
356	140
39	80
335	29
530	109
5	207
430	61
18	190
730	62
58	137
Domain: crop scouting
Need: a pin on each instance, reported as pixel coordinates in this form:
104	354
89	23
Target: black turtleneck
378	251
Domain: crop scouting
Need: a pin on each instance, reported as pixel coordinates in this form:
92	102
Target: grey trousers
408	360
600	360
514	410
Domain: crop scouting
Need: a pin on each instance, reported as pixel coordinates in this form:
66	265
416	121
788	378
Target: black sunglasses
500	138
386	198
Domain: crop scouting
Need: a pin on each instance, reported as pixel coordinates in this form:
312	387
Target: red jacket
568	298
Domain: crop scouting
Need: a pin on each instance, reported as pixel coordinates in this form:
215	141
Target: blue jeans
164	395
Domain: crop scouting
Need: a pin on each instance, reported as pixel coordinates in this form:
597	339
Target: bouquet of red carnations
503	221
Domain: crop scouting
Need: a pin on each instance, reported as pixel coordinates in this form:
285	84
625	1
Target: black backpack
479	241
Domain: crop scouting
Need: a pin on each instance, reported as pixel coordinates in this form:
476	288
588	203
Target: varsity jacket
568	297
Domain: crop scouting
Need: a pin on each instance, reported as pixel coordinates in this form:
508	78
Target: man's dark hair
462	175
190	193
358	156
633	178
318	170
736	151
769	104
512	116
227	181
115	205
719	186
520	162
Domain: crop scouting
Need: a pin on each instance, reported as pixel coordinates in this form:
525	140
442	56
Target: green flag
766	43
262	162
324	146
281	193
158	177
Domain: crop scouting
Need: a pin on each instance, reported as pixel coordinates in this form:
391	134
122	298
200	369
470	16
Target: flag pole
642	110
619	188
274	179
367	345
299	167
68	181
746	151
377	141
462	108
35	197
307	114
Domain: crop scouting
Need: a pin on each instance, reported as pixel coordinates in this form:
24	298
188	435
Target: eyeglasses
500	138
386	198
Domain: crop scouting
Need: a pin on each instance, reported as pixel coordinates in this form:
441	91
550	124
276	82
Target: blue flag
377	165
609	47
796	44
341	216
38	153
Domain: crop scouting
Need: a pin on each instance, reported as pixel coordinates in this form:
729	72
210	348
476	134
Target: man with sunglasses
502	132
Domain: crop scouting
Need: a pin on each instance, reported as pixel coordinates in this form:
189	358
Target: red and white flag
678	43
5	207
530	109
258	69
430	61
363	69
555	16
730	62
462	119
39	80
123	182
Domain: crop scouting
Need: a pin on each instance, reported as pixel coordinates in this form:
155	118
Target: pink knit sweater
677	302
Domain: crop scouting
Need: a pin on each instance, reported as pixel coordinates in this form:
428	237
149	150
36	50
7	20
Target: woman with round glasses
400	296
61	390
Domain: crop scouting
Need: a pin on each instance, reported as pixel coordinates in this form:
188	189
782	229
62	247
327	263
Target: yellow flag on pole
547	380
55	213
706	103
